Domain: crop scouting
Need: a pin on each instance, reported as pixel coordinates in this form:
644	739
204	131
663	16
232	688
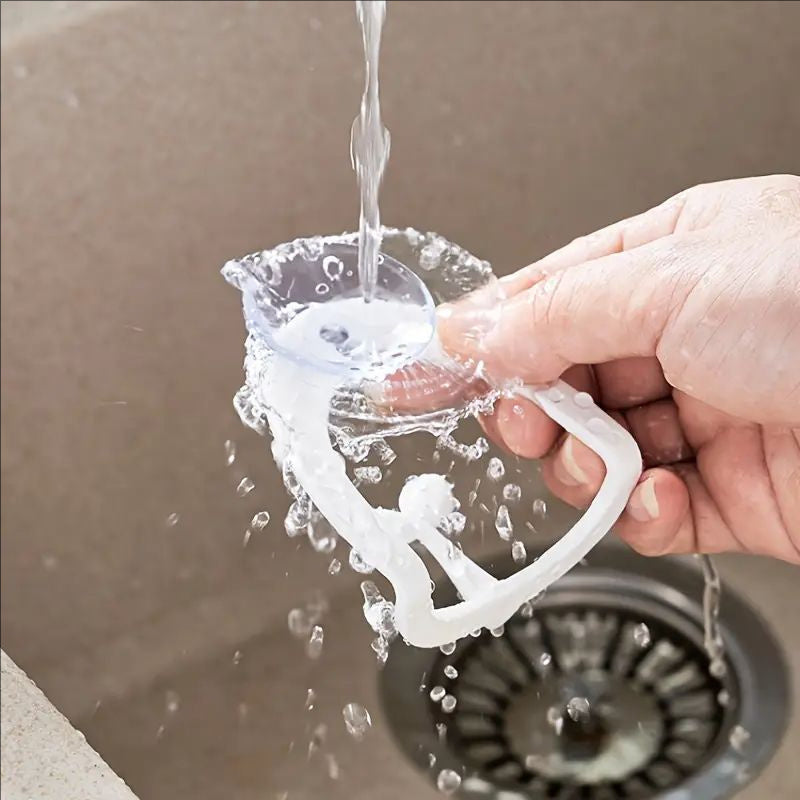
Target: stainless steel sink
144	144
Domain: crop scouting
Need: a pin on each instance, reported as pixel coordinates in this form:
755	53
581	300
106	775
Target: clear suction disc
342	333
394	377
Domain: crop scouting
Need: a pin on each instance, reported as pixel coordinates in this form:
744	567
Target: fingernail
643	504
566	468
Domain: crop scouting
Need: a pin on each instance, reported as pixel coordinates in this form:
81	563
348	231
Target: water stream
369	146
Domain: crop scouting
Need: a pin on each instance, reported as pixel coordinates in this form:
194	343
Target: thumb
609	308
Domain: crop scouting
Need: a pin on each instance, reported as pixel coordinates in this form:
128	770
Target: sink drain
602	690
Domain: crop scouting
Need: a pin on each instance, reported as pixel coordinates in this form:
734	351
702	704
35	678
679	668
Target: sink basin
145	144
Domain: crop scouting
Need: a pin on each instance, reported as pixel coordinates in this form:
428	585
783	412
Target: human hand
684	323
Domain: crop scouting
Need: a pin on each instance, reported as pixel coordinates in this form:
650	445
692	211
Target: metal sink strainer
603	691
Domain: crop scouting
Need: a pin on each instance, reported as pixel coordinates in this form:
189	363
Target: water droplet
173	519
321	535
299	623
540	508
260	521
237	657
555	719
449	704
294	528
357	720
498	632
437	693
380	647
477	450
476	633
333	766
448	649
717	668
368	475
451	672
245	486
641	635
431	760
578	708
311	697
322	288
512	493
495	471
298	517
385	453
448	781
545	659
290	481
334	568
518	552
453	524
555	394
332	267
318	737
246	538
173	701
738	738
357	563
724	698
503	525
597	425
583	400
441	731
315	642
378	612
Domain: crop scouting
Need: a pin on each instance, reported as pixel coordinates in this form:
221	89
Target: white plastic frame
383	537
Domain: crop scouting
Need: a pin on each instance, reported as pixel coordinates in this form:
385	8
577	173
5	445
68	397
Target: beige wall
143	144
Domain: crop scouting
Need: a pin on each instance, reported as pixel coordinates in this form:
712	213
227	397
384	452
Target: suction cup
339	331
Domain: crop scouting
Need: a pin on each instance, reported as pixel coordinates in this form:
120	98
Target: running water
369	146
